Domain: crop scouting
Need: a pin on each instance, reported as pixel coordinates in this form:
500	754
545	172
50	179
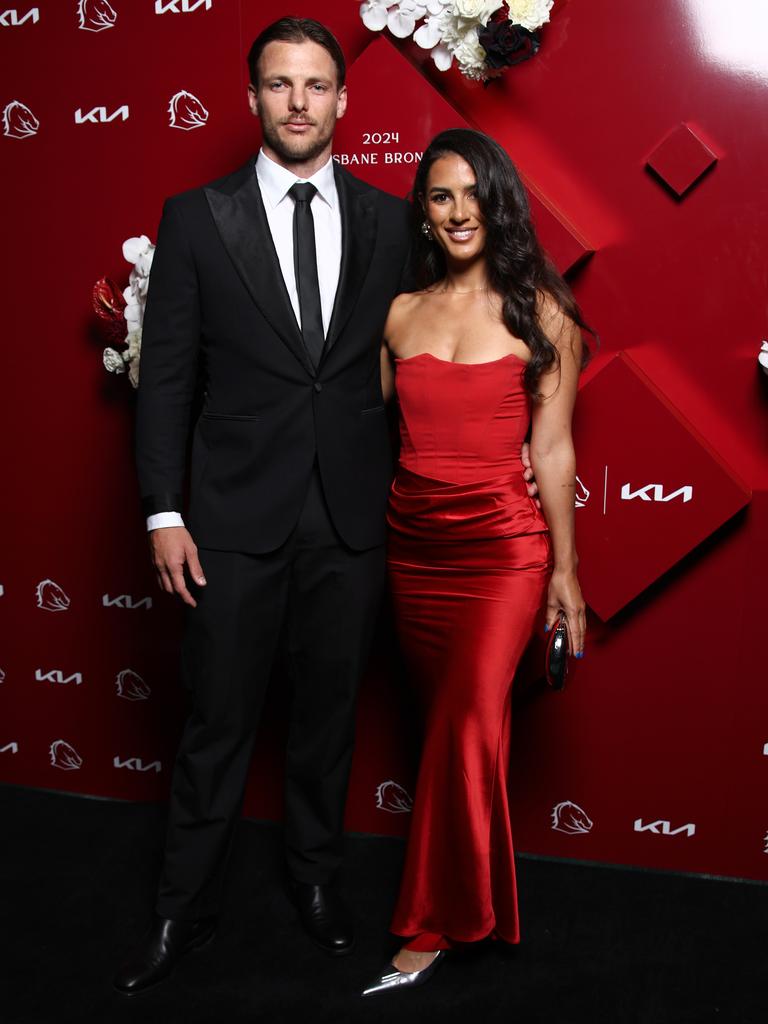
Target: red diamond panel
382	139
681	159
651	488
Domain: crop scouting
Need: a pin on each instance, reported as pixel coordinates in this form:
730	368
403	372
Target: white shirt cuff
164	519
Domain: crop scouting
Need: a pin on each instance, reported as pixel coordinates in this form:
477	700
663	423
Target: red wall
665	721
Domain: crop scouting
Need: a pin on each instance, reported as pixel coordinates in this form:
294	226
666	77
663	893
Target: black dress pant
321	599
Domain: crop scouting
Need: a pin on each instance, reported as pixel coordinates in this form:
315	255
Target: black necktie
305	267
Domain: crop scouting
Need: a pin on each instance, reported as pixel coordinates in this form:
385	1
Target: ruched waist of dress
420	506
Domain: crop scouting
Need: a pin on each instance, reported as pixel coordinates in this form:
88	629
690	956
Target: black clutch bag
556	661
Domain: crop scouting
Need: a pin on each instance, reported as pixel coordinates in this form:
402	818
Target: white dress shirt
274	183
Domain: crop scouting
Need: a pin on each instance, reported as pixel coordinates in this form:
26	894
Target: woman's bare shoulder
403	308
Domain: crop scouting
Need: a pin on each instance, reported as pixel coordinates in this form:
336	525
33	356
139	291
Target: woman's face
452	209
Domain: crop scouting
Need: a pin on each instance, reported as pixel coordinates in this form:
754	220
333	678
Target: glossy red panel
650	488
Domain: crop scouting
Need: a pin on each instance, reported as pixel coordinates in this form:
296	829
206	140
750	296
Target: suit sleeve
168	369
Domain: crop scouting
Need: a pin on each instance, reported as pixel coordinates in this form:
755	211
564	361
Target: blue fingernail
579	654
547	628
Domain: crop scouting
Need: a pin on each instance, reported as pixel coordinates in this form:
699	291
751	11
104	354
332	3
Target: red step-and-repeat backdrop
641	134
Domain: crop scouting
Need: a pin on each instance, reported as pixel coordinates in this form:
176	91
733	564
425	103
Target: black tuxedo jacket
218	313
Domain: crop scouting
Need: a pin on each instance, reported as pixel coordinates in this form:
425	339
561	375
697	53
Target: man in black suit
270	287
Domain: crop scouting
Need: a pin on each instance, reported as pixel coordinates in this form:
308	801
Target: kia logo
99	115
135	764
663	828
181	6
55	675
126	601
655	492
11	17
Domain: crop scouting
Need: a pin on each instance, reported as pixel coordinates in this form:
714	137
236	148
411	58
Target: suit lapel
242	224
358	237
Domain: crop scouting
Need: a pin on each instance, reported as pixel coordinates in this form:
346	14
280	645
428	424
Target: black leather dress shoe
156	956
390	978
324	917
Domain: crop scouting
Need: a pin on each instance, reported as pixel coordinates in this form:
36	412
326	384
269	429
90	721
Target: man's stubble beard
302	150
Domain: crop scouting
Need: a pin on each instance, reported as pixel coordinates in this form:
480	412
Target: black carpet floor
600	945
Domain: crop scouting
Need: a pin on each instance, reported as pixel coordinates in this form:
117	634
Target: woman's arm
392	326
554	463
387	372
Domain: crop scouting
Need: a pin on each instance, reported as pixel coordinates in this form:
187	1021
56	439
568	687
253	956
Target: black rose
506	44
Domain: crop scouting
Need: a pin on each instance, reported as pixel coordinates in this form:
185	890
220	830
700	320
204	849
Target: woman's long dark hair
518	270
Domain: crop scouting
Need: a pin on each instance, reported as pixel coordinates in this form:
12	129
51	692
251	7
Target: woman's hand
565	595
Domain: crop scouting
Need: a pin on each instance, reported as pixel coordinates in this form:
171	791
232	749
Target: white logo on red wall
568	817
186	111
664	828
100	115
50	597
181	6
582	494
55	675
765	843
18	121
135	764
130	685
95	15
2	676
390	796
11	18
10	748
655	492
126	601
64	756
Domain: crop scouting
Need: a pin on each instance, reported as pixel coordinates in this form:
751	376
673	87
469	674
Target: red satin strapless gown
469	561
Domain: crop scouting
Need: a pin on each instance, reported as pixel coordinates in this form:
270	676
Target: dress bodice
461	421
461	429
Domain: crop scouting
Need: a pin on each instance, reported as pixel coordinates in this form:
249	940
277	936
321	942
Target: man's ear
253	100
341	102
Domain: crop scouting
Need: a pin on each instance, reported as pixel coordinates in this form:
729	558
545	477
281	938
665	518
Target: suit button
317	386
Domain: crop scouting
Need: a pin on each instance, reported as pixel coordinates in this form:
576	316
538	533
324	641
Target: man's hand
530	479
172	548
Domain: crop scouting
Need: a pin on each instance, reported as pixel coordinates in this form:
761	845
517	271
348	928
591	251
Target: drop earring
426	230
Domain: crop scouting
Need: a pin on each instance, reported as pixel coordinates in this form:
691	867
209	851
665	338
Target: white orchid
136	247
531	14
442	57
374	14
139	251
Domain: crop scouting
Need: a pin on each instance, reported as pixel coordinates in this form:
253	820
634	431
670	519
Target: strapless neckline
453	362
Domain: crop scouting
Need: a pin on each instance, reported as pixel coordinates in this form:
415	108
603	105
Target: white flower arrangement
483	36
126	309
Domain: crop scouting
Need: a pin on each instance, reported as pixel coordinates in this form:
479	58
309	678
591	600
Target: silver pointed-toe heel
391	978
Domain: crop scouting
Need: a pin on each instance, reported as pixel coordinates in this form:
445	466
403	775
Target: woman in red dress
487	351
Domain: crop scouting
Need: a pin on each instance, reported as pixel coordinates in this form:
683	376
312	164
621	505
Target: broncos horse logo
186	111
18	121
96	15
570	818
64	756
131	686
